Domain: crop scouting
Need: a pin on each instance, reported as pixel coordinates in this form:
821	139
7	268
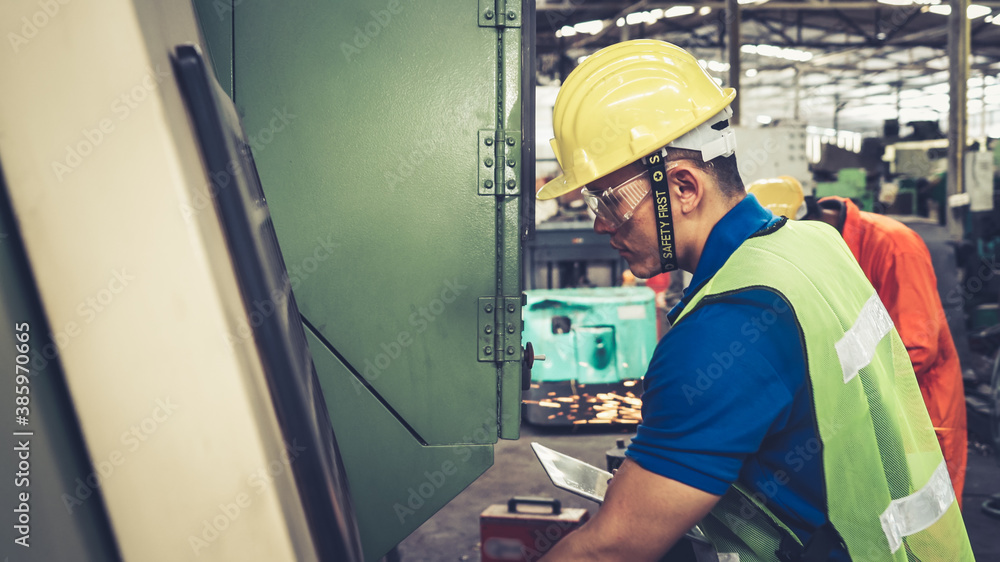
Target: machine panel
388	136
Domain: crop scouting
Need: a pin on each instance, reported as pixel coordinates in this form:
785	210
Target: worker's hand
613	472
643	515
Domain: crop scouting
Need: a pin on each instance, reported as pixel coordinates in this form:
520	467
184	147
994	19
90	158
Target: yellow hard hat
782	195
629	100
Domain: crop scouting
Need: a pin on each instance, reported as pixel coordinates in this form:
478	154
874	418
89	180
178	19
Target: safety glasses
616	205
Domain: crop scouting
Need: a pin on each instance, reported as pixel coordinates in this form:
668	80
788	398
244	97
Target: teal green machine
597	344
393	140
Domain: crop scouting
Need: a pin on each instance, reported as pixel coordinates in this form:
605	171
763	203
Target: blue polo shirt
726	395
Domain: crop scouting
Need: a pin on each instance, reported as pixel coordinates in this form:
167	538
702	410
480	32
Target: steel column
958	112
733	24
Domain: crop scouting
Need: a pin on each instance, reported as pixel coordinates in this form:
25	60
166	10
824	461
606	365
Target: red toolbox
525	528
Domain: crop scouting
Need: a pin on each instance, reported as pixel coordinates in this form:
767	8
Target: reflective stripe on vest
857	348
919	510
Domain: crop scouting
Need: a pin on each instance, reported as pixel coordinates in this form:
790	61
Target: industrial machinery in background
568	254
906	178
770	152
398	198
597	343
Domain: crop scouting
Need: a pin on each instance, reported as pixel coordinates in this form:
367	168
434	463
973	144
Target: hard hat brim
556	187
561	184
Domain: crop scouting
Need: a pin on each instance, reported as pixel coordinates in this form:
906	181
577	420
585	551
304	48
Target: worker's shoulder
754	332
719	320
891	235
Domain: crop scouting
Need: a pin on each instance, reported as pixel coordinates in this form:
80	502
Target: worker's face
636	240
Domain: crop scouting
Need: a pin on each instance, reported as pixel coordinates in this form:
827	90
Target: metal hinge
499	329
490	156
499	13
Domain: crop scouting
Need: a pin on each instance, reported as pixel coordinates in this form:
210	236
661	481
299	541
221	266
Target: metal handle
555	504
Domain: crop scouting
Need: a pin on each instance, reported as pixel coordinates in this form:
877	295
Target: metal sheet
367	120
396	483
572	474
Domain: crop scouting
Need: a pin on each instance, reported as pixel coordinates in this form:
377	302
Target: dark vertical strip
528	58
280	338
232	45
958	111
733	18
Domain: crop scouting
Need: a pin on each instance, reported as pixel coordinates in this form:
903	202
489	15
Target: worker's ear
687	186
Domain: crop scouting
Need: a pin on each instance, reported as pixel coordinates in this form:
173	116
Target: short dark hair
722	168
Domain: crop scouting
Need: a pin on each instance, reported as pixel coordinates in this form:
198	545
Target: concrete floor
453	533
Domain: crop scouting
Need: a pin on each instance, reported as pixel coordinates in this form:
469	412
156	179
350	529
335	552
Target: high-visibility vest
887	487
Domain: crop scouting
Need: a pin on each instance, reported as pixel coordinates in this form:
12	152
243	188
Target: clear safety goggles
616	205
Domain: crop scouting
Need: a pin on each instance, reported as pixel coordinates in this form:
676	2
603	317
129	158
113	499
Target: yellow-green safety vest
887	488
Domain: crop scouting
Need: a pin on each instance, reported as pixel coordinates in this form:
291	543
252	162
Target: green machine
597	344
393	141
851	183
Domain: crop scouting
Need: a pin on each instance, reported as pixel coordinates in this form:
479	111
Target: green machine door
388	136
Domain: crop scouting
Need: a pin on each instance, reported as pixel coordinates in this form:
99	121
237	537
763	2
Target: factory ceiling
867	59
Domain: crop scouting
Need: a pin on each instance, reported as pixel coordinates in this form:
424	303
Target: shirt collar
850	221
742	221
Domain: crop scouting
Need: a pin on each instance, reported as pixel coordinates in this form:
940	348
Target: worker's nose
602	226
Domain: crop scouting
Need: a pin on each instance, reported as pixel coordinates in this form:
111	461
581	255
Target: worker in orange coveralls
898	264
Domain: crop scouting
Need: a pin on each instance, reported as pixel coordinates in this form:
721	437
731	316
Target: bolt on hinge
486	340
499	149
499	13
487	152
499	336
512	156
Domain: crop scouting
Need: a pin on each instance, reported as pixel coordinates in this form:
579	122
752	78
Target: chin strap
661	206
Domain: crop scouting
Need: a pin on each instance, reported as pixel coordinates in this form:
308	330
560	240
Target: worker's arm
907	287
643	515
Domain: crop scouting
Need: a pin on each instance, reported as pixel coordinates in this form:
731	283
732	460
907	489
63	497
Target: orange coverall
896	261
